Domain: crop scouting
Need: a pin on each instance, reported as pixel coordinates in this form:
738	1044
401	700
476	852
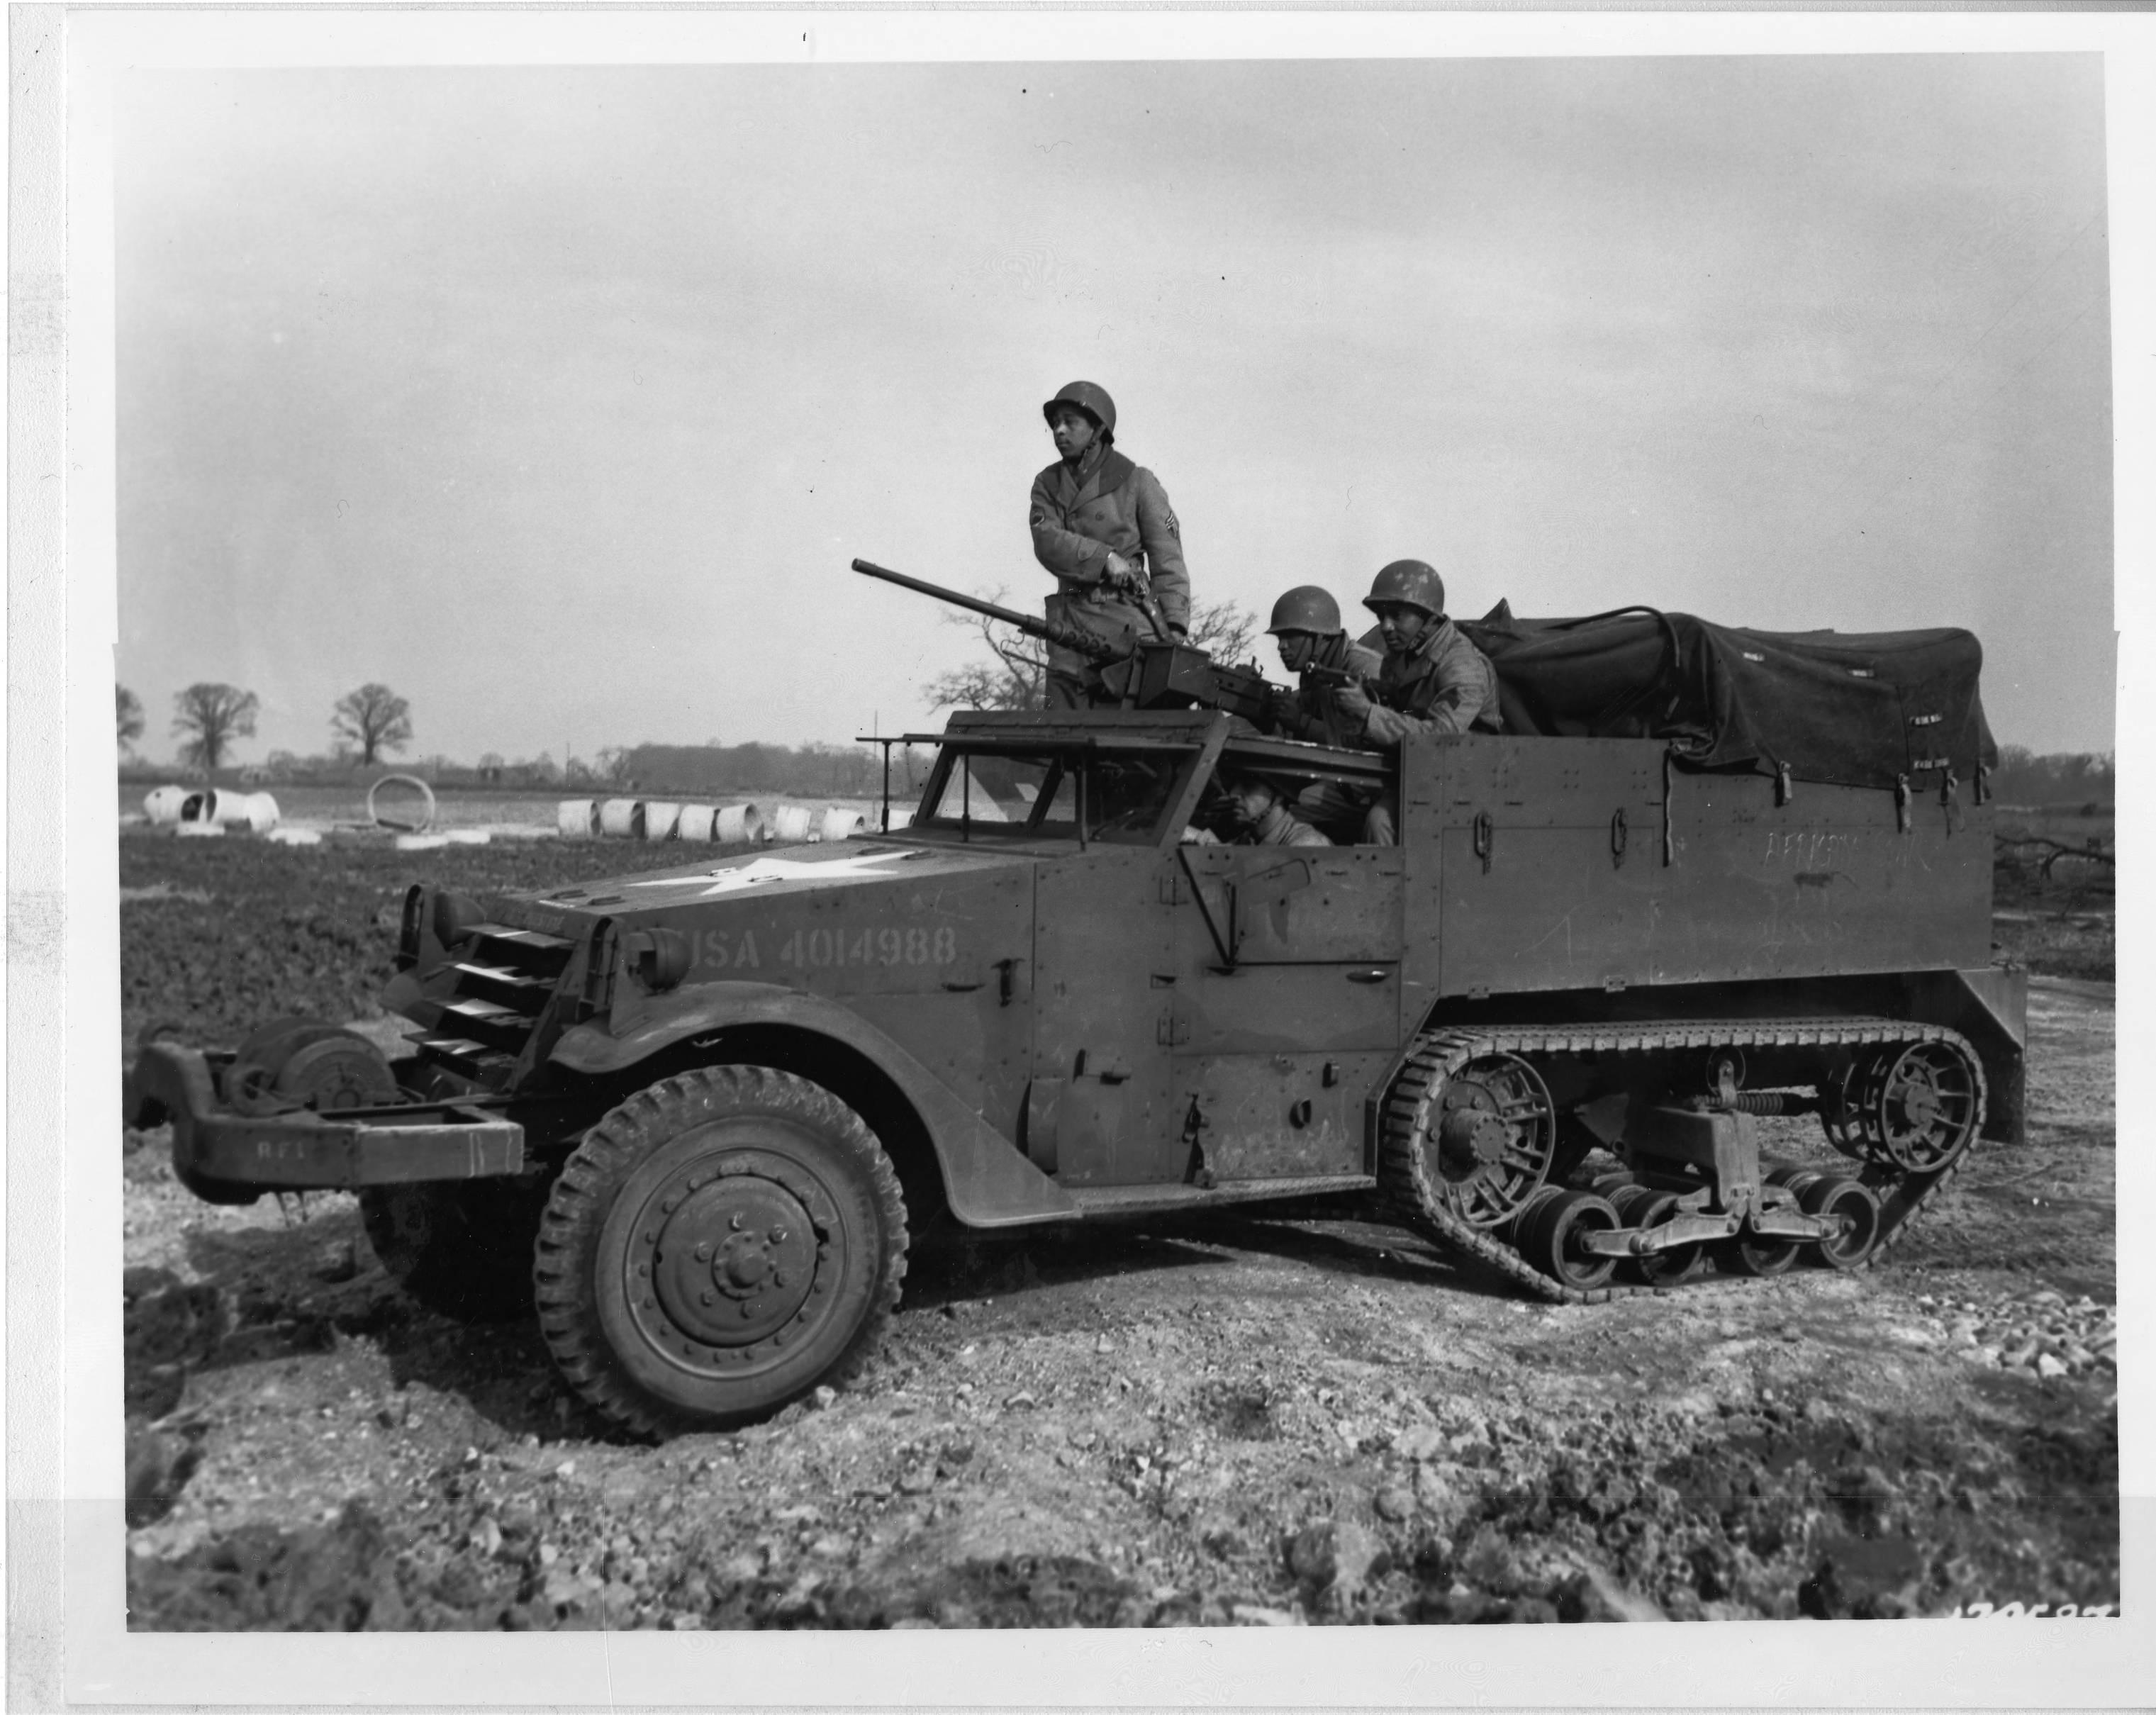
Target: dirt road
1262	1423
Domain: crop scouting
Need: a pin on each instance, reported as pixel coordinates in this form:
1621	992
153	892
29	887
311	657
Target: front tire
719	1245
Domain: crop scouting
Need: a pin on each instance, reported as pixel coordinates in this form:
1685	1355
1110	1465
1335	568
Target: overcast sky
559	400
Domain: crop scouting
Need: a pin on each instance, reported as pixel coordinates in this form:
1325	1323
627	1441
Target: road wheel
1761	1255
1550	1239
463	1248
1853	1205
718	1245
1642	1206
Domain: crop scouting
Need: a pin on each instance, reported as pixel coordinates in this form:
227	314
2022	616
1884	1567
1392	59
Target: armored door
1286	1005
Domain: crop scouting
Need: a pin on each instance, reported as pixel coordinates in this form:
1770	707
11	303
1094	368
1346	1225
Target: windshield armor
1118	796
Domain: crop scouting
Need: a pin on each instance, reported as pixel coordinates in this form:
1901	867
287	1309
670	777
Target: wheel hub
728	1257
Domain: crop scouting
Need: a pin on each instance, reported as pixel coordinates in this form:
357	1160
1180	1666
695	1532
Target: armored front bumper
224	1157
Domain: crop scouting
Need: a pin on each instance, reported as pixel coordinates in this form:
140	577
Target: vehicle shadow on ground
289	1291
952	1268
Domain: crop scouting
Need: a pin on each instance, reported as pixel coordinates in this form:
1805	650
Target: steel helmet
1410	583
1305	607
1091	399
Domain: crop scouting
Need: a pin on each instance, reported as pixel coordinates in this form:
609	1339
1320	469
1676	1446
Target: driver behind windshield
1263	814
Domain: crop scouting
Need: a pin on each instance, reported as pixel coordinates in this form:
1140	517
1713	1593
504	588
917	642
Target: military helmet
1093	400
1410	583
1305	607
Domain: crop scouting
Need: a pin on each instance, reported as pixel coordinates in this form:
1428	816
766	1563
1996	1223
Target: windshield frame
1195	744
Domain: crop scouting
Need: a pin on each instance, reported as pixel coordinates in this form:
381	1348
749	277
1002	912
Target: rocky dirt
1242	1422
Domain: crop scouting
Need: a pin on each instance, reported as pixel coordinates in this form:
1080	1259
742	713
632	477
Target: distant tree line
209	718
2064	777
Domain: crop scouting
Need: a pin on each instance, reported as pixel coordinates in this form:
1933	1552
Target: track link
1403	1182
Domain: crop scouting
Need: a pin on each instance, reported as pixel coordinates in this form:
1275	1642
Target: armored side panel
1100	1111
1285	1007
1585	864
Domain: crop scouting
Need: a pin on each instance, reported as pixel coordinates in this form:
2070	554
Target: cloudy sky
559	400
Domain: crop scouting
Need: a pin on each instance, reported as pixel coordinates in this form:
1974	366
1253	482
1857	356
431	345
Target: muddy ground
1277	1422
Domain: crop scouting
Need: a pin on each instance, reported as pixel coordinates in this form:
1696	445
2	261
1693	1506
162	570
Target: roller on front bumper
225	1157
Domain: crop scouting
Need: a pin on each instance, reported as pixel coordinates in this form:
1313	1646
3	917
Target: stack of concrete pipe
698	823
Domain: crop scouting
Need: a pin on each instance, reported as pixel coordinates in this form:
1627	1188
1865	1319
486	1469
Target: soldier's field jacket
1107	504
1310	712
1443	685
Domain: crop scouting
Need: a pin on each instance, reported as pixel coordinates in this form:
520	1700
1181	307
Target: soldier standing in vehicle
1103	526
1432	679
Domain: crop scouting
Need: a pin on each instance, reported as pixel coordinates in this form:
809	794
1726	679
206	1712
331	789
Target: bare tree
129	709
1016	675
375	719
209	717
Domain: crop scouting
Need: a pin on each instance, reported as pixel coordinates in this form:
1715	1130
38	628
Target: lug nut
703	1253
735	1222
748	1311
778	1236
709	1297
778	1279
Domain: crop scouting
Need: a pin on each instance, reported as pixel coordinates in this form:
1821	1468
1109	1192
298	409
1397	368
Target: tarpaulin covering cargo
1843	708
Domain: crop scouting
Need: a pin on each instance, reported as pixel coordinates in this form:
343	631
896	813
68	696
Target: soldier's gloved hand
1283	710
1353	702
1118	574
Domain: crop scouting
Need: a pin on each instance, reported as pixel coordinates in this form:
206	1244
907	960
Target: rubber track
1403	1178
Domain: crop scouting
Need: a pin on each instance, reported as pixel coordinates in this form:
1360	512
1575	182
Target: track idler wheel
1643	1206
1491	1140
1850	1203
1550	1239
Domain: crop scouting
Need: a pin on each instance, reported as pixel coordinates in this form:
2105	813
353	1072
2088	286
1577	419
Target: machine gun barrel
1158	674
1085	643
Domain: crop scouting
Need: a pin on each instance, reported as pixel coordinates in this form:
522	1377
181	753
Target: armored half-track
1707	877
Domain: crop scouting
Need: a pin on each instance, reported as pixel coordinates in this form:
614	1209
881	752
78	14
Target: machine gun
1141	673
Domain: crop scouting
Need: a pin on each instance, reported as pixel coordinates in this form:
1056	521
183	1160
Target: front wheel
718	1245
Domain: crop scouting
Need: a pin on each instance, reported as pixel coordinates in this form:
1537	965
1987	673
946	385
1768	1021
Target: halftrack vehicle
1706	876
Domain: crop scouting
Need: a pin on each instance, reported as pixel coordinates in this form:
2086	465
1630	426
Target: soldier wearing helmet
1432	680
1103	526
1314	645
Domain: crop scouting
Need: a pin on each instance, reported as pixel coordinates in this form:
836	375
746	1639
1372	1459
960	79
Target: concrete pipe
900	818
661	820
697	822
395	823
225	808
577	819
259	811
842	824
737	823
162	804
792	824
622	817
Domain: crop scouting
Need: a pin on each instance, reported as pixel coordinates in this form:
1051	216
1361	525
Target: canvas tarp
1845	708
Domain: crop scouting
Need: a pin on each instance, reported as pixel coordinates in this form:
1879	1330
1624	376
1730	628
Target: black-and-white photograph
1032	840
